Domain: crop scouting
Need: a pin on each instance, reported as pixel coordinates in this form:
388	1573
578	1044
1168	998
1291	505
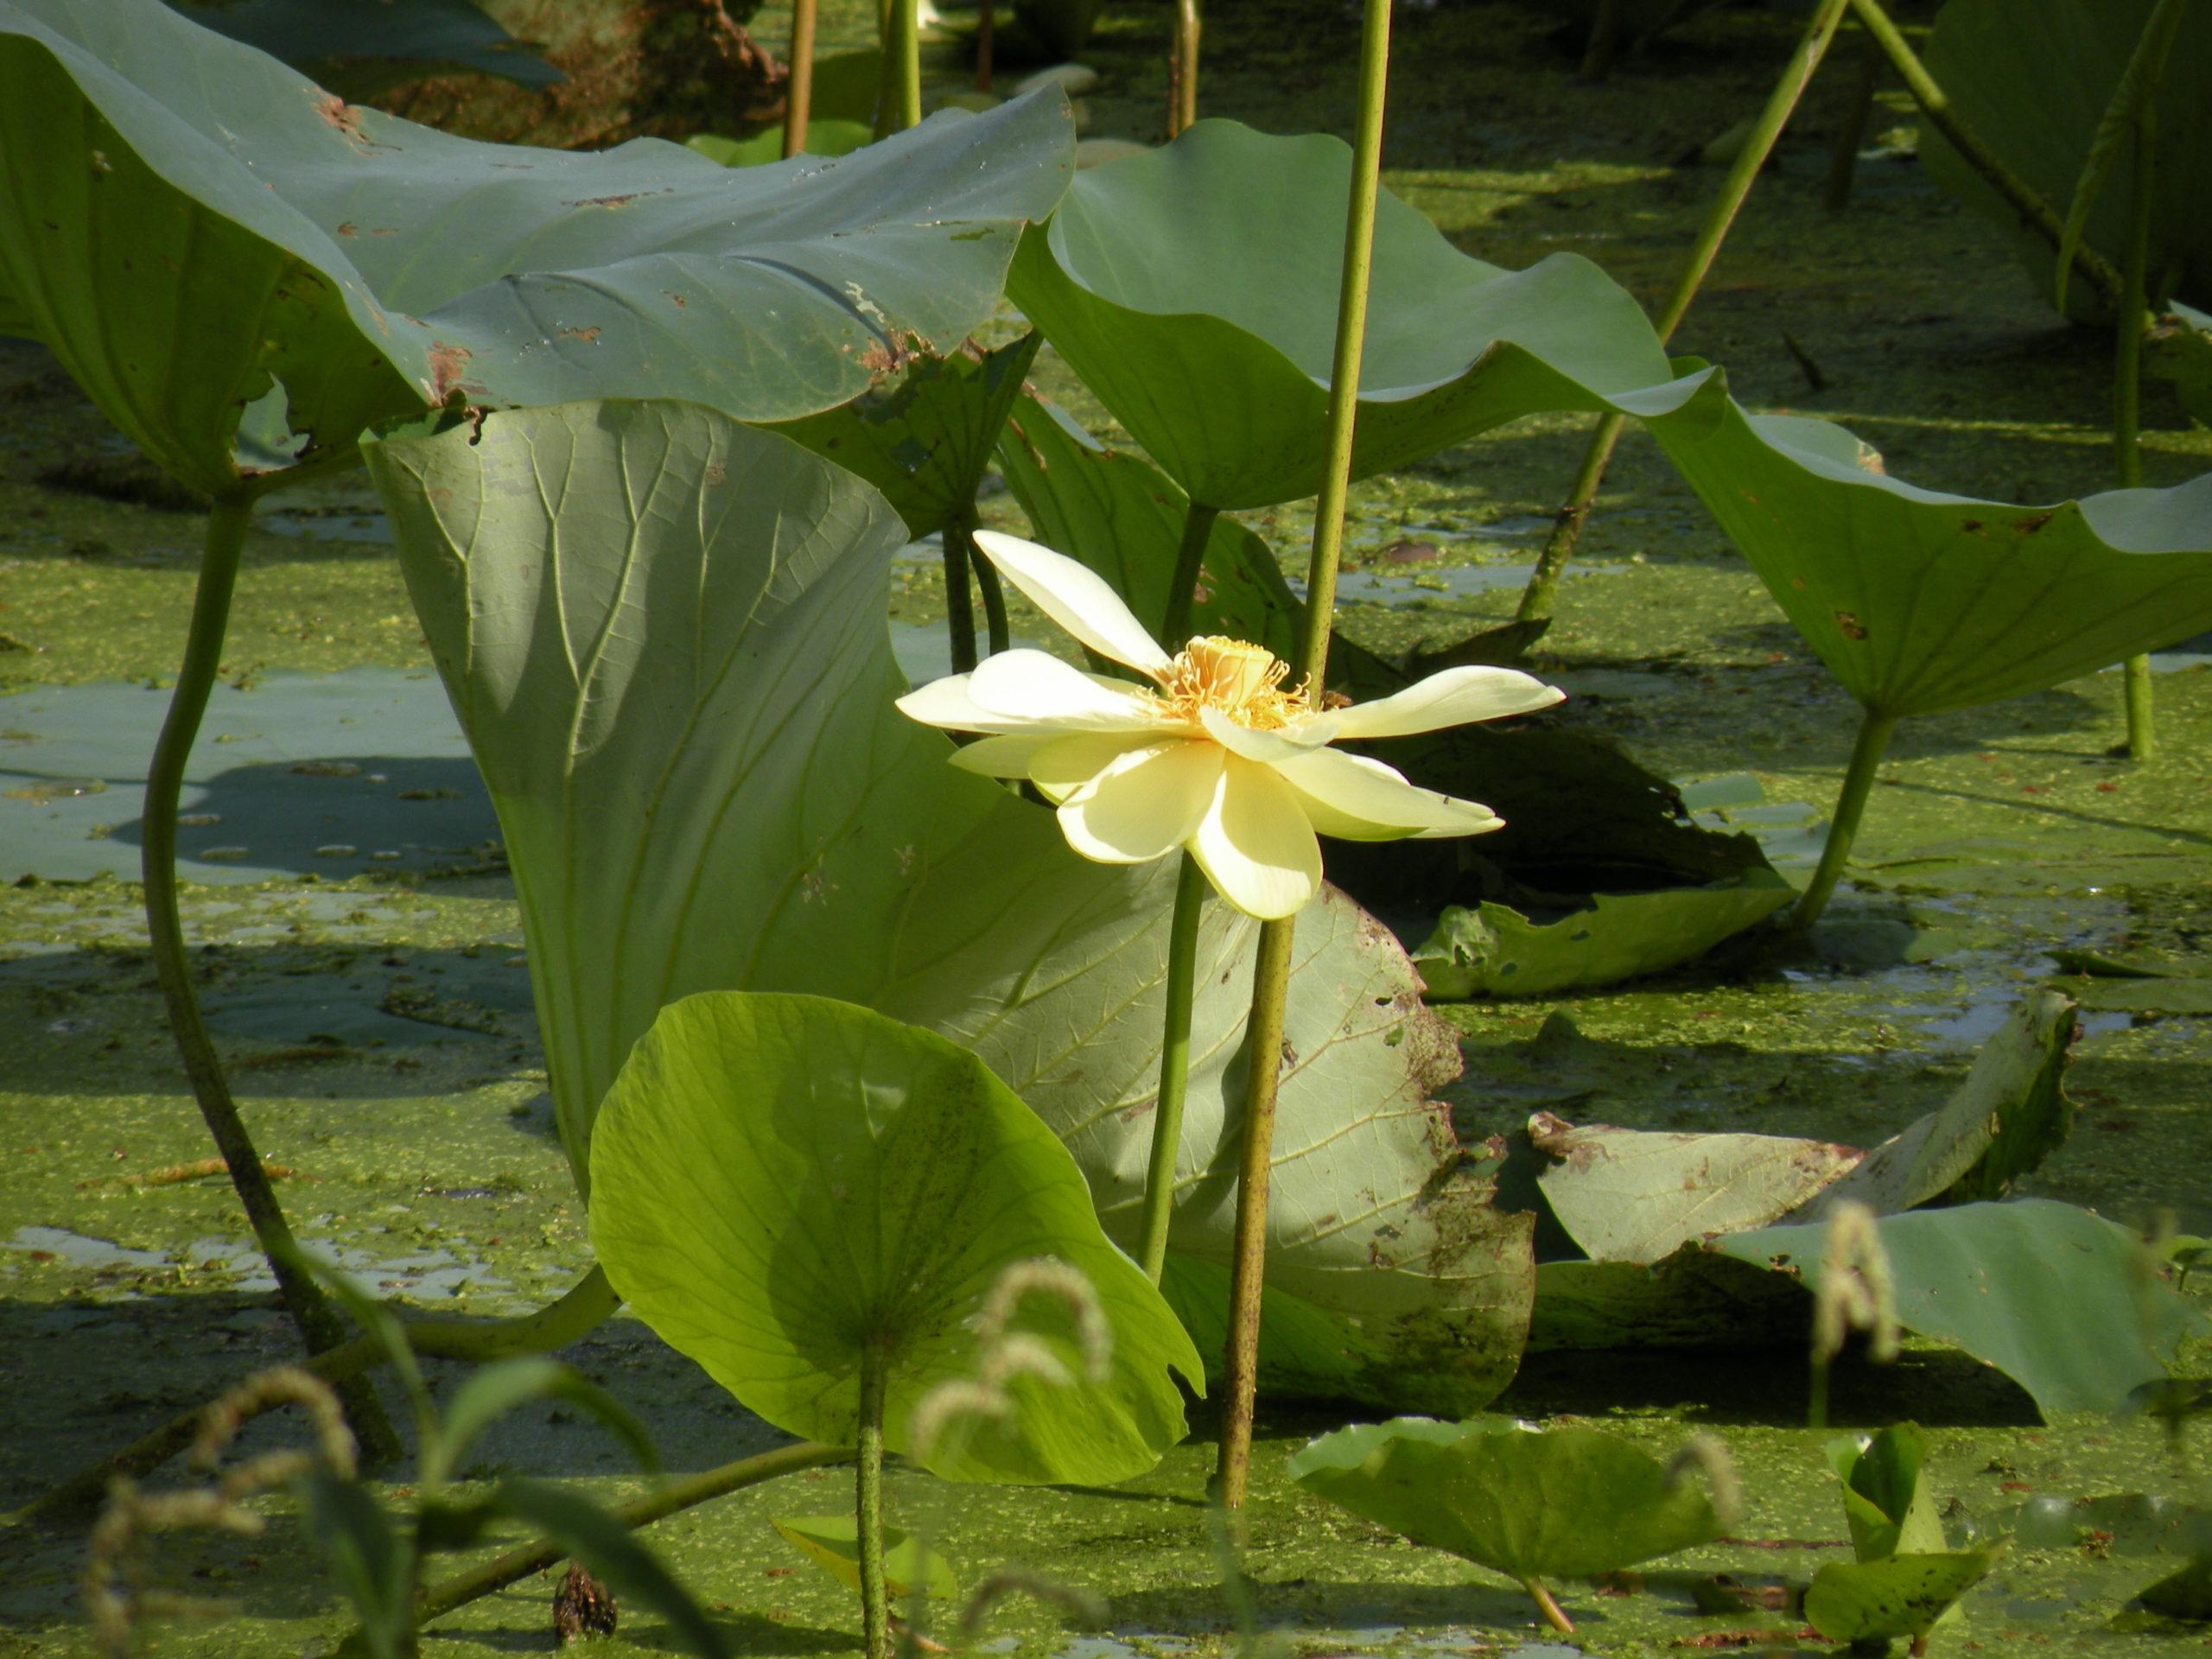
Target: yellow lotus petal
1255	845
1008	755
1455	697
1144	805
946	704
1356	798
1074	597
1267	747
1040	691
1070	762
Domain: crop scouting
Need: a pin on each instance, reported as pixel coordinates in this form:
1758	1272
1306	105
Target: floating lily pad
782	1182
1563	1503
1204	276
832	1543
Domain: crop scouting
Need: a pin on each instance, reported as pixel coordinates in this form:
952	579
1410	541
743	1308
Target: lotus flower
1218	756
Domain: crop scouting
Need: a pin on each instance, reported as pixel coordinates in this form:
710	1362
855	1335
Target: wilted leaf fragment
781	1181
1556	1504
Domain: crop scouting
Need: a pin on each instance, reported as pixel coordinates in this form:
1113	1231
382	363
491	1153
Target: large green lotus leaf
1123	517
830	136
2032	79
1639	1195
1919	601
1562	1502
925	438
352	46
1494	950
182	218
2054	1297
1194	290
1888	1509
1690	1300
780	1184
665	635
1899	1596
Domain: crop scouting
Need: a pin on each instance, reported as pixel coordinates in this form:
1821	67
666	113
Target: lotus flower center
1241	680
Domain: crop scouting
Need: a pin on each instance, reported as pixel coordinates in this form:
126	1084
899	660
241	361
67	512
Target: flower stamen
1234	677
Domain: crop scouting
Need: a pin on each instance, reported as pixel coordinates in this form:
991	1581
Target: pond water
363	965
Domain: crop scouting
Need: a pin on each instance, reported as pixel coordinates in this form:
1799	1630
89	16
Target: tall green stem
798	90
898	98
1271	973
663	1501
1935	105
1874	731
1851	129
1183	68
320	1326
1174	1068
959	602
555	1325
867	1503
996	633
2127	385
1190	562
1566	528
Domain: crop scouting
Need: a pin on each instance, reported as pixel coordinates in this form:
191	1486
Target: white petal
1266	747
1455	697
1145	804
1004	756
1026	689
1076	597
1255	845
946	702
1355	798
1069	764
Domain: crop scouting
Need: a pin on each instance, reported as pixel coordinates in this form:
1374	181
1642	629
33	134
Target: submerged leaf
782	1183
1559	1502
1204	276
832	1543
747	810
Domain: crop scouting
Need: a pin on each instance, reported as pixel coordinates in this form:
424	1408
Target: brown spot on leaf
615	201
678	298
887	357
349	228
715	473
447	363
1849	626
587	335
342	118
2033	523
1971	527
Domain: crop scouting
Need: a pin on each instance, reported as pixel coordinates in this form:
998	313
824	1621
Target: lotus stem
959	603
868	1507
899	98
985	21
1263	1030
1554	1614
1190	562
1537	600
657	1505
1935	105
1866	753
2127	383
319	1324
1183	68
555	1325
1174	1068
799	89
996	633
1604	43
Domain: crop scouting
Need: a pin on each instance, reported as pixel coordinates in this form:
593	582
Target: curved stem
1554	1615
959	602
867	1509
555	1325
2142	731
1781	104
319	1324
996	634
1857	780
677	1495
1174	1068
1189	564
798	90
